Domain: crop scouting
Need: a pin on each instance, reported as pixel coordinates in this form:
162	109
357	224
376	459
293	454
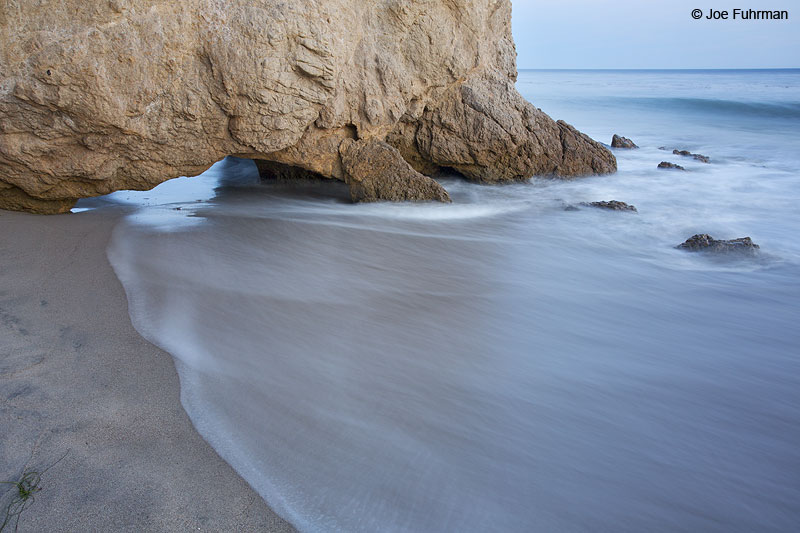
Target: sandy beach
77	379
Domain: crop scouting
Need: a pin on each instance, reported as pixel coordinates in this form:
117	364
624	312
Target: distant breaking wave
786	110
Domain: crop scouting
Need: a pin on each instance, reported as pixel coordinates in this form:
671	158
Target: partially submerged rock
622	142
706	243
486	131
687	153
668	165
376	171
103	96
613	205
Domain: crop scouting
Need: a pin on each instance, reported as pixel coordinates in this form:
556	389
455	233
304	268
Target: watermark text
740	14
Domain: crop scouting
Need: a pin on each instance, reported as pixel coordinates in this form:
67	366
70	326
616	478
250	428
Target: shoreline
76	378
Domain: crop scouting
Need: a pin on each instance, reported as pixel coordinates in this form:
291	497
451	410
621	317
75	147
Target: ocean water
501	364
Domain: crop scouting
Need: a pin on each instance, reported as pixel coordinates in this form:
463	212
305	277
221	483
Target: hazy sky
653	34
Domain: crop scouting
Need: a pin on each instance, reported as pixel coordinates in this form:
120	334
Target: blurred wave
779	110
498	364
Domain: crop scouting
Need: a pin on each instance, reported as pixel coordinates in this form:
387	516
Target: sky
653	34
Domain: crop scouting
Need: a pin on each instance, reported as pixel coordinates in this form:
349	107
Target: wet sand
76	378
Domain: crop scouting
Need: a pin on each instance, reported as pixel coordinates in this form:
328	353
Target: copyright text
740	14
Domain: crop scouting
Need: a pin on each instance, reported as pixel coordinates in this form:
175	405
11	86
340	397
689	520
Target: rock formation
698	157
670	166
622	142
613	205
707	243
125	94
376	171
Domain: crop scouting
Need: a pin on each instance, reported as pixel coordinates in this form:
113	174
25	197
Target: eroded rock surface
622	142
706	243
376	171
698	157
101	96
666	165
612	205
485	130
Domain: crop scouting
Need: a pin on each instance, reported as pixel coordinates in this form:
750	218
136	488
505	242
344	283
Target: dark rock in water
613	205
706	243
566	206
666	164
662	147
687	153
622	142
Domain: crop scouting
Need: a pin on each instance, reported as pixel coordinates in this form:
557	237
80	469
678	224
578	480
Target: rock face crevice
102	96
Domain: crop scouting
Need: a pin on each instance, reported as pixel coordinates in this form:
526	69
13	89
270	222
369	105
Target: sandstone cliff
125	94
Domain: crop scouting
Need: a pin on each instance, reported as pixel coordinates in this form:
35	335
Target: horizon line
656	68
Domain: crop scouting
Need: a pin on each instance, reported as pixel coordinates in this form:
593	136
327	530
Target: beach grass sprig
28	485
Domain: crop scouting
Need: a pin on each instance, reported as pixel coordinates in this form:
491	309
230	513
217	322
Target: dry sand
76	378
